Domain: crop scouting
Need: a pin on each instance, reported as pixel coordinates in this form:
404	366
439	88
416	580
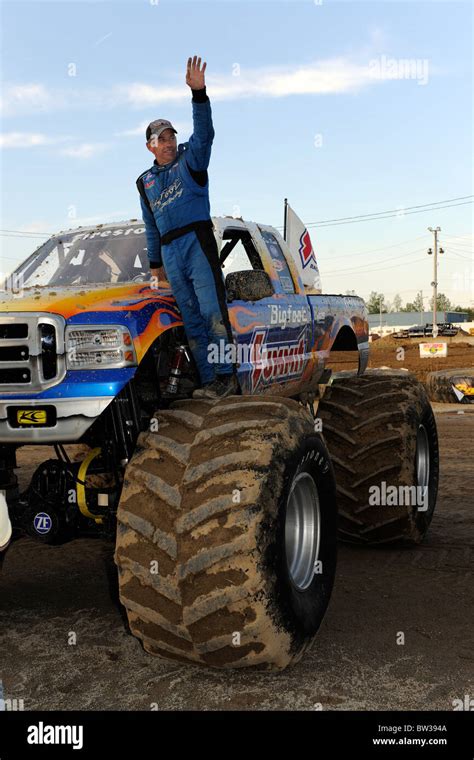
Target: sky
345	108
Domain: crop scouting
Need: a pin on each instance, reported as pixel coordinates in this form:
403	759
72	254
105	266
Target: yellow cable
81	491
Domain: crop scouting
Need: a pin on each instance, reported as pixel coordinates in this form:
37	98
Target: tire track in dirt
426	592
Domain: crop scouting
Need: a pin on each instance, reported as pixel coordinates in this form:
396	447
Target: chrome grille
31	351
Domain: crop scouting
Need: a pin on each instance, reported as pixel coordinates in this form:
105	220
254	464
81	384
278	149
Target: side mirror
251	285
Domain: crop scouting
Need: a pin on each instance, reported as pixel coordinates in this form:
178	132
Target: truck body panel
282	342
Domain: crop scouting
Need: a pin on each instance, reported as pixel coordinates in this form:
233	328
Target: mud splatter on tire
204	499
370	424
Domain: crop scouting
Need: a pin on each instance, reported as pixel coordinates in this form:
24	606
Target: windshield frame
67	240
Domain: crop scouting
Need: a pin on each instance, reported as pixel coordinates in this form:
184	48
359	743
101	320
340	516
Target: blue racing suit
175	206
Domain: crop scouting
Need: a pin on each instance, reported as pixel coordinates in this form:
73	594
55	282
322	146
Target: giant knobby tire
207	498
377	428
441	386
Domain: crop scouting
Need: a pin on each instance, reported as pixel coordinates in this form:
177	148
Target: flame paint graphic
234	314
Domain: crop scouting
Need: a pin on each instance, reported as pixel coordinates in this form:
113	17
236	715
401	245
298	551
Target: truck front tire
226	534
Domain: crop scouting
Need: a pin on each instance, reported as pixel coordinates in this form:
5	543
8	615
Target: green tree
397	303
416	305
442	303
469	311
375	301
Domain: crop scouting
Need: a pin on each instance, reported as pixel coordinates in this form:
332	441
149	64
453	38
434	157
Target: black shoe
223	385
200	392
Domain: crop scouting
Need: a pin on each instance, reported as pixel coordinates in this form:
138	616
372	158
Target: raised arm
198	153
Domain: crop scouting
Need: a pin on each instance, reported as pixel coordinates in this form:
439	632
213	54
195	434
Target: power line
460	243
464	235
446	291
447	261
25	233
455	247
346	219
371	263
389	216
467	254
391	211
376	250
466	258
365	271
384	214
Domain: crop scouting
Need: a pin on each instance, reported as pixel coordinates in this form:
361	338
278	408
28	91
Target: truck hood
69	301
145	312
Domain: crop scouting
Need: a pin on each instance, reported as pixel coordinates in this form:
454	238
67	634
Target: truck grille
31	351
13	331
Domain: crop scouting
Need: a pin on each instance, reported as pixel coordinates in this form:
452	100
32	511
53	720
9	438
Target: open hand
157	276
194	73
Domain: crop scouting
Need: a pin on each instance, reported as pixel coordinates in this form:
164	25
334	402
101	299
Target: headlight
107	346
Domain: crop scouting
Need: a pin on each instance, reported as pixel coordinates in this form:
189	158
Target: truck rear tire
441	386
227	532
381	432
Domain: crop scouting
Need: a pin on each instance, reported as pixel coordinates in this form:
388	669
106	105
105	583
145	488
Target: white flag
299	243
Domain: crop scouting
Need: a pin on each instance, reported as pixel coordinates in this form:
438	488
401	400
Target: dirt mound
386	353
388	340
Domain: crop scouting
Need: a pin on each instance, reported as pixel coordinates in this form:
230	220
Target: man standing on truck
174	197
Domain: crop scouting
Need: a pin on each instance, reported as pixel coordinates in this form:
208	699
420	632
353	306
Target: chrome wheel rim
302	530
422	459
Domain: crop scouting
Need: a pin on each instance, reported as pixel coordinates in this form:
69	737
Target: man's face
163	147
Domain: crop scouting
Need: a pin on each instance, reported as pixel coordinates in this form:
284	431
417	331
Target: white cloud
23	140
40	226
28	139
84	150
324	77
142	94
331	76
26	98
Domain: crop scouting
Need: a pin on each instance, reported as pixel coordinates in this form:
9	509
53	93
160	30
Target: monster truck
444	328
416	331
223	512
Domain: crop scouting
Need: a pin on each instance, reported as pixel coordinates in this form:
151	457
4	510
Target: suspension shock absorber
8	493
5	525
180	356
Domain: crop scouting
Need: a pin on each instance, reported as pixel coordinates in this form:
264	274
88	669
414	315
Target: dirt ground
51	595
47	594
386	352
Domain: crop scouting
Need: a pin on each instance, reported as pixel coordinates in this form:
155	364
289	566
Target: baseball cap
155	128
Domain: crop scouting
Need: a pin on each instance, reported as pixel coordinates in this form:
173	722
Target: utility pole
435	278
422	308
